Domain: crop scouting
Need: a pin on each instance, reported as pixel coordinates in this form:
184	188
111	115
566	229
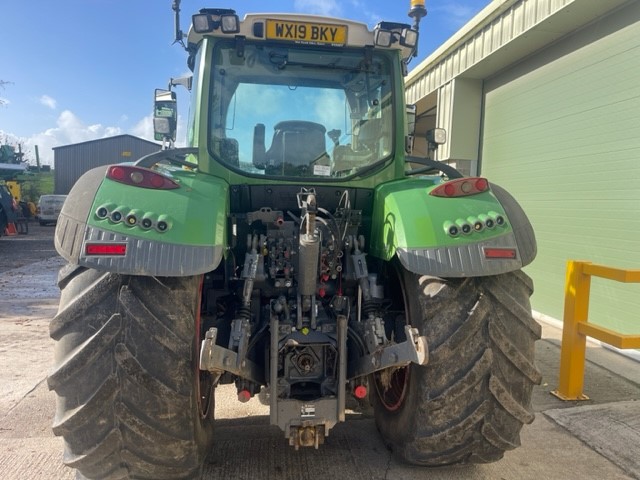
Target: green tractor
297	250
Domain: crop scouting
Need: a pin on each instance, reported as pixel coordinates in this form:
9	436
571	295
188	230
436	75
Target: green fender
412	225
193	218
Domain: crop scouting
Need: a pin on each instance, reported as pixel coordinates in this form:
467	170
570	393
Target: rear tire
470	401
131	401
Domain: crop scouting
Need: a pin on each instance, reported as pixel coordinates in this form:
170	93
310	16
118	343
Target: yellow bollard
574	343
576	327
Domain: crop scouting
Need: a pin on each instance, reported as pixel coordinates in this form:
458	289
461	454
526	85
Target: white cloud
48	101
4	101
69	129
329	8
144	128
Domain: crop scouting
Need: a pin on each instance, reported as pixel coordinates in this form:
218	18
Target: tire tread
124	377
470	401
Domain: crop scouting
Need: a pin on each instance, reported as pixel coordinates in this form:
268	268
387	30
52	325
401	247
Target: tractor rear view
294	248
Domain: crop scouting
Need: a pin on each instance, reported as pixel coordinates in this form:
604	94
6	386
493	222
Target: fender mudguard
414	226
184	230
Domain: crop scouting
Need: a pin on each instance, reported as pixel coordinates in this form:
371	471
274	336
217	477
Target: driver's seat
297	143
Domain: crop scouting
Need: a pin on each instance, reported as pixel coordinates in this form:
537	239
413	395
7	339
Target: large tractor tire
131	401
470	401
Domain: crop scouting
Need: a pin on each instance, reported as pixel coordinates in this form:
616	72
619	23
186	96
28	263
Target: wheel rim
205	379
392	385
392	396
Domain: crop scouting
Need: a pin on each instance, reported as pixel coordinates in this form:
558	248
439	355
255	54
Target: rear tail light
140	177
461	187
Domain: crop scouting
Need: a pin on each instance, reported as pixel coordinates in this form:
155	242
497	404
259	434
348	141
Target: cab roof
254	26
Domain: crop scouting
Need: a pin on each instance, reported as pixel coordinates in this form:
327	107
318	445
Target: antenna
178	36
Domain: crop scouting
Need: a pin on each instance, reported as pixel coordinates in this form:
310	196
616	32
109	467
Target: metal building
71	161
543	98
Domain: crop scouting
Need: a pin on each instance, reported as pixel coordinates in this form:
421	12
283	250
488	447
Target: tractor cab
297	95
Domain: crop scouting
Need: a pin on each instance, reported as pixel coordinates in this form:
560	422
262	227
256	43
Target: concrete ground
597	439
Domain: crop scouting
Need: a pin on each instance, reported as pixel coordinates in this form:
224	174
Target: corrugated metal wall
71	161
562	133
510	22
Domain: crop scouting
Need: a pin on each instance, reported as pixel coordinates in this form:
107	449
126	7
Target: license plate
305	32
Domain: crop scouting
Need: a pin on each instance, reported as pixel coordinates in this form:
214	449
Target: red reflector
106	249
461	187
360	391
508	253
244	396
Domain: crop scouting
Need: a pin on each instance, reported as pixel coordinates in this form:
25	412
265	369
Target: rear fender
194	214
414	226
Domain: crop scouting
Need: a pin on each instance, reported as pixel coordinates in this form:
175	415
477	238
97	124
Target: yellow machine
15	189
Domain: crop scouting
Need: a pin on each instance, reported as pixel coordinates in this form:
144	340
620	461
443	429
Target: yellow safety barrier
576	327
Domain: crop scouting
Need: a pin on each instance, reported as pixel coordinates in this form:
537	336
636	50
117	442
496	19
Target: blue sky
85	69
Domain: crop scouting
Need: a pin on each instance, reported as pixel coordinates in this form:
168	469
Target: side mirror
165	115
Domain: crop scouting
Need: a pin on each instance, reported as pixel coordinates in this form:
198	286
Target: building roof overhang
503	33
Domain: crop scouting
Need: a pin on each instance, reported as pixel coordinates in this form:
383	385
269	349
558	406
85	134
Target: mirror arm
186	82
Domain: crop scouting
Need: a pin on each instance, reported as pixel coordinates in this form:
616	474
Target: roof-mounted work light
202	23
210	19
383	38
409	38
388	33
229	24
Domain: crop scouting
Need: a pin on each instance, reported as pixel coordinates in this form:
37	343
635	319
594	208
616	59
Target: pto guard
412	225
192	244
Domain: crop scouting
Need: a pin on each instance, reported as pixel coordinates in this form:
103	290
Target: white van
49	207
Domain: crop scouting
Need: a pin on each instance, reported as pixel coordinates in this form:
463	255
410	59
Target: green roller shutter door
561	131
